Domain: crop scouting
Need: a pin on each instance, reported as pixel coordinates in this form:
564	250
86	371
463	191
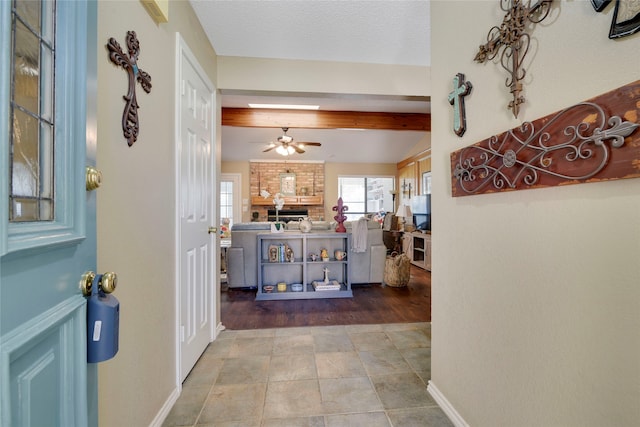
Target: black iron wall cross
512	38
130	125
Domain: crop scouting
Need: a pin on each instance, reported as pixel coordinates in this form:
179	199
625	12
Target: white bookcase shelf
420	250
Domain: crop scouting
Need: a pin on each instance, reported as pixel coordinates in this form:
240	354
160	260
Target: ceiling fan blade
298	149
315	144
269	148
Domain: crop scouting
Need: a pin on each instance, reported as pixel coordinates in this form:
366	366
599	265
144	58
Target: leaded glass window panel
32	112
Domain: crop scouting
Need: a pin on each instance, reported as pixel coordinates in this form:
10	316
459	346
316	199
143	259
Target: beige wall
136	209
536	294
323	77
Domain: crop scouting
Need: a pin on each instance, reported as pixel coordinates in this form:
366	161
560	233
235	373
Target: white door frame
183	50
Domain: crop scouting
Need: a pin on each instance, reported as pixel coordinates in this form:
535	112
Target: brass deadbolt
86	282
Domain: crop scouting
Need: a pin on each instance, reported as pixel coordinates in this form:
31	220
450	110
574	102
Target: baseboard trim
166	408
446	406
219	328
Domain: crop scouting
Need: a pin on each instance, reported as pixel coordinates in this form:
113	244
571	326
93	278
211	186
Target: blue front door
47	217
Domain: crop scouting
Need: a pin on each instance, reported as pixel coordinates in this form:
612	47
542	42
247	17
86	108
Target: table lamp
404	211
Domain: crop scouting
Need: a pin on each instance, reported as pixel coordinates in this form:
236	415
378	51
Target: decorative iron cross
130	126
511	38
456	98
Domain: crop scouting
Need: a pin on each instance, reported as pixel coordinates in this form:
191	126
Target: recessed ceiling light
286	106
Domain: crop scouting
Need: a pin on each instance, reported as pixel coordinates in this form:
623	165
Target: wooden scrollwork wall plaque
595	140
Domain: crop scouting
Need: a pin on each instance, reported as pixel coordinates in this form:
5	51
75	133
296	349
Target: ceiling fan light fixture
285	151
285	145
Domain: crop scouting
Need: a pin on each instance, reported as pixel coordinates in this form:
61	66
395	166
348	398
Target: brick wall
266	176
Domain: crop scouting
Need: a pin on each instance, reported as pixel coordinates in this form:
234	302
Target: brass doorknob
107	282
93	178
213	230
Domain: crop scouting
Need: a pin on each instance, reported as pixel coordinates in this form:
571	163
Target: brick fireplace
309	178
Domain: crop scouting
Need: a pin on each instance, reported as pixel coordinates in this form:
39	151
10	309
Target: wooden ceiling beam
265	118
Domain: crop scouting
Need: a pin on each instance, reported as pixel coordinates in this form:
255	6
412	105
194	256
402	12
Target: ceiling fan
286	146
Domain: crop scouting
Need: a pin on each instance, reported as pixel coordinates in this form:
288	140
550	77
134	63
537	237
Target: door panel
45	379
42	357
196	245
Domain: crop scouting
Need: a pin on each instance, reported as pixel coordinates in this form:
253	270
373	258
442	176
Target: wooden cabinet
289	200
298	268
420	250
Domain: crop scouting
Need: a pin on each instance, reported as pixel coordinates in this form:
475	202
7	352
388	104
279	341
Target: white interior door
197	246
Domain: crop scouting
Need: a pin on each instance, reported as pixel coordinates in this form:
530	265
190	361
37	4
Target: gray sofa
242	262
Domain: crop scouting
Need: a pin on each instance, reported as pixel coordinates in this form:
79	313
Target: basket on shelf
397	270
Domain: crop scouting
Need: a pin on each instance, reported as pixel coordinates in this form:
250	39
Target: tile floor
325	376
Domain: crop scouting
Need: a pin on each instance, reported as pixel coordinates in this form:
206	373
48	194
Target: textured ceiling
377	32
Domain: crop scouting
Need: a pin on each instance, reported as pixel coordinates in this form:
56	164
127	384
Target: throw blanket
359	236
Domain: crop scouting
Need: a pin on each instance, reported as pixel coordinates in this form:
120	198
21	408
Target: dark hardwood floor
370	304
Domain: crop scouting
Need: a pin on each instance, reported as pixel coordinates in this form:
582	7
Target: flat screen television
421	209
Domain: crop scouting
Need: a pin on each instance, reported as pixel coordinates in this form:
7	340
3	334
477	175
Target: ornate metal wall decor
512	39
456	98
130	125
592	141
626	16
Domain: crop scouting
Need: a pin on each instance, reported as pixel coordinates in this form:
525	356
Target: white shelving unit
301	269
420	250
